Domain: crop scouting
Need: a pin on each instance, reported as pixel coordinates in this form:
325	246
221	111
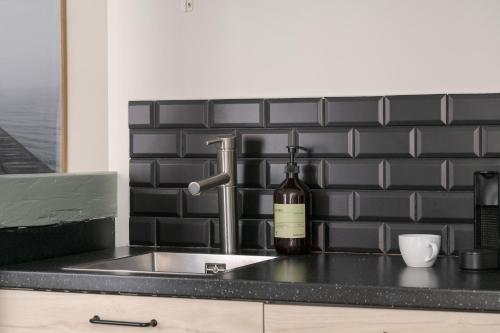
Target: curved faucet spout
196	187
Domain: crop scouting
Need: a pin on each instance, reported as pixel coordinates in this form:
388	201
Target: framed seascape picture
33	97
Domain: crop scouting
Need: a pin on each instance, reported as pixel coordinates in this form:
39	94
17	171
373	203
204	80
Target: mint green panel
43	199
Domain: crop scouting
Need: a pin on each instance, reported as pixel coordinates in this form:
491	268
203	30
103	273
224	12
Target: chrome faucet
225	181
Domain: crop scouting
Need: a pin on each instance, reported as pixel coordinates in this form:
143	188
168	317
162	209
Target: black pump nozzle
291	166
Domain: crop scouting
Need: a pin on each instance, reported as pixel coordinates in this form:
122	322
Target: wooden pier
15	158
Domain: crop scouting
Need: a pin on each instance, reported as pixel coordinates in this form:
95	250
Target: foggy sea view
31	116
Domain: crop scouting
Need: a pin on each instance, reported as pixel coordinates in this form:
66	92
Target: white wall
292	48
87	85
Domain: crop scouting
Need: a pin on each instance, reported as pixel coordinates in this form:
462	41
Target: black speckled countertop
341	279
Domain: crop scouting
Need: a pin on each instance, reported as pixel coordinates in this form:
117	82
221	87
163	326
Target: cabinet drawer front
319	319
38	311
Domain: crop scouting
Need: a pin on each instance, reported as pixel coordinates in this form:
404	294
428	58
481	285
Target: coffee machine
485	254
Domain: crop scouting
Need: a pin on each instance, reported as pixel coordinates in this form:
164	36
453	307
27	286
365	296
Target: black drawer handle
97	320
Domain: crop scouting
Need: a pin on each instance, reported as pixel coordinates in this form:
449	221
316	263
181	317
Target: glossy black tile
386	142
154	143
179	173
236	113
140	114
448	142
191	113
294	112
332	205
354	111
393	230
310	172
416	174
354	174
264	143
155	202
474	109
384	206
194	142
325	142
142	173
183	232
491	141
445	206
415	110
142	230
354	237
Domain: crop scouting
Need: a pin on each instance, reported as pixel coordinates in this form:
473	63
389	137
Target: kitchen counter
343	279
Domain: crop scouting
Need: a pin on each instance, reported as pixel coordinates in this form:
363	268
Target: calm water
32	118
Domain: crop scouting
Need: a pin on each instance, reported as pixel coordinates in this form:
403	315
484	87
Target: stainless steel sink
173	263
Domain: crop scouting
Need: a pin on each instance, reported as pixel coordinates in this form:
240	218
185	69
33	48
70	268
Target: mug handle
434	254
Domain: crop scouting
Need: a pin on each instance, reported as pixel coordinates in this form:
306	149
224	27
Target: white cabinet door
319	319
37	311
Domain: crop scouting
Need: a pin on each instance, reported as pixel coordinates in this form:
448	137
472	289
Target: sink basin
173	263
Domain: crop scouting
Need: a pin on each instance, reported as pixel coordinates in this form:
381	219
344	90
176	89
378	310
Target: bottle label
289	220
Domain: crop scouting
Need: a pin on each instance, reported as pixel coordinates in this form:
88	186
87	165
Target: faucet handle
211	142
227	142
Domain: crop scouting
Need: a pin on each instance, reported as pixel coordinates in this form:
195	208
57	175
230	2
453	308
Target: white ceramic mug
419	250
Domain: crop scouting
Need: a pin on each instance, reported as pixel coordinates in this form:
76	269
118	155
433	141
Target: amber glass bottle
292	234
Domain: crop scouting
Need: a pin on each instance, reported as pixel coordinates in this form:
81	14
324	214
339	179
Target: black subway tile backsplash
354	174
154	143
252	234
332	205
331	142
474	109
393	230
179	173
194	142
294	112
256	204
462	171
491	141
448	142
377	167
178	114
415	110
183	232
310	172
416	174
354	111
203	205
264	143
317	236
443	206
460	237
236	113
142	230
354	237
142	172
384	206
384	142
156	202
141	114
250	173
